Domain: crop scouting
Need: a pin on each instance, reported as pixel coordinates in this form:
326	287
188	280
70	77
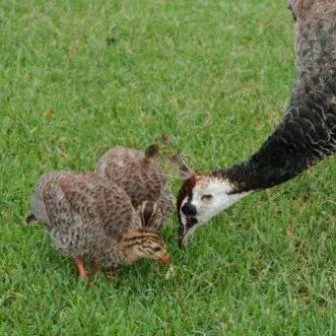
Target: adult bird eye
206	197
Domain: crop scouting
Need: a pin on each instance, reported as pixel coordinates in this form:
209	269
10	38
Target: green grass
214	74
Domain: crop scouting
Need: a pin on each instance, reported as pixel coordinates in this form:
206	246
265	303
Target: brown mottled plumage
90	218
139	175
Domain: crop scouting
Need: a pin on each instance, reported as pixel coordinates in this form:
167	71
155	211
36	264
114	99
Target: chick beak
165	259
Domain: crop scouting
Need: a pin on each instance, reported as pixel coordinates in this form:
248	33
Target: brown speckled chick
142	179
92	219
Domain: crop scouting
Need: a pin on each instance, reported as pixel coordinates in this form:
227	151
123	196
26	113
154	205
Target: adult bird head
200	198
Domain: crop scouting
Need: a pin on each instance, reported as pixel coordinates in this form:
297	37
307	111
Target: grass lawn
79	77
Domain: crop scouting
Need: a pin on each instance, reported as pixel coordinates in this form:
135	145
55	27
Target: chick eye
156	248
206	197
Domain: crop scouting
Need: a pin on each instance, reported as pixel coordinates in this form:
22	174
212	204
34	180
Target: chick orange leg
81	268
95	268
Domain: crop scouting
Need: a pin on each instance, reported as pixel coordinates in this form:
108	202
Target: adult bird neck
307	134
304	137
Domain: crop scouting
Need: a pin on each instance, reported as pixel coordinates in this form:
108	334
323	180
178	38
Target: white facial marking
208	207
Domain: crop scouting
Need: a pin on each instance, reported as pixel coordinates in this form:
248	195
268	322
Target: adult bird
306	135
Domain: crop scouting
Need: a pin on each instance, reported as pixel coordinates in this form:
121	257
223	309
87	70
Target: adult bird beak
183	240
185	232
165	259
180	238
